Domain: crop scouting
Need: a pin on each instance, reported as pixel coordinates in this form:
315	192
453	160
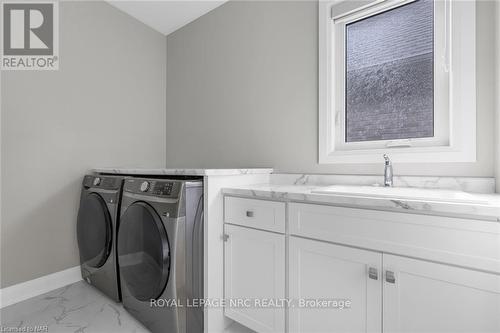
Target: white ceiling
166	16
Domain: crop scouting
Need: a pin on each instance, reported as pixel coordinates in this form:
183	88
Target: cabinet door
254	269
322	271
421	296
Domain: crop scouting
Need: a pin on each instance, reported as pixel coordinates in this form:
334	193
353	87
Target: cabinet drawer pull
373	273
249	213
390	277
225	237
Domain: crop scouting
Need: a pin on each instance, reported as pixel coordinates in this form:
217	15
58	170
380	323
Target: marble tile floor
77	308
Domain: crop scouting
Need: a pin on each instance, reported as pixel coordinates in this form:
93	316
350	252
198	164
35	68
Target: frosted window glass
390	74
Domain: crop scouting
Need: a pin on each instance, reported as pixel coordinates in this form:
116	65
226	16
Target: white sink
405	193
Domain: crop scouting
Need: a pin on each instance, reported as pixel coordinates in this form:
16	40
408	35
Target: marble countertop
183	172
488	209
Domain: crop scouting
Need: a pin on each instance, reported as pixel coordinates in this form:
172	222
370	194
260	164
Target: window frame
454	88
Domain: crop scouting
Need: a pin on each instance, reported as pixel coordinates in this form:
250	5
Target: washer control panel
153	187
104	182
163	188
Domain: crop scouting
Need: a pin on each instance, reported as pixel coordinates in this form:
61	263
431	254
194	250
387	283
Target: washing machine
97	226
160	253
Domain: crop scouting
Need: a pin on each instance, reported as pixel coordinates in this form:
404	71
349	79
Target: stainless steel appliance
160	253
97	225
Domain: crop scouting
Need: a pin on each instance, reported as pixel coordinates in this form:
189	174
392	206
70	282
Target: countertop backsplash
483	185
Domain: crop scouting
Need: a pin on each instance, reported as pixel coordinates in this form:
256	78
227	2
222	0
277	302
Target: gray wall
104	107
243	85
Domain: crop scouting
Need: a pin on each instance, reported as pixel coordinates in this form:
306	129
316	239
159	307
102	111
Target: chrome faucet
387	171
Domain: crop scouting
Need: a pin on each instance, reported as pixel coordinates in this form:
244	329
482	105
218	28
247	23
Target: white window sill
401	155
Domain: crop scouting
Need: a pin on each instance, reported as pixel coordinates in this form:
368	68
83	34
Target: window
389	74
386	83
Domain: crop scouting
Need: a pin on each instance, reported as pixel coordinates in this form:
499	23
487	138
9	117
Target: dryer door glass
143	252
94	230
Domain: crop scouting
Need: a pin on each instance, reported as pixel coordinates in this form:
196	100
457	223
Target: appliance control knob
97	181
144	186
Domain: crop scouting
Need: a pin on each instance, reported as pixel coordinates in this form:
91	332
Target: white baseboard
22	291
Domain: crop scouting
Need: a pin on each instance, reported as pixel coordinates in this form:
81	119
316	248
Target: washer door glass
94	230
143	252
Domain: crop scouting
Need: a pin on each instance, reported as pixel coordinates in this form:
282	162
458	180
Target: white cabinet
415	295
428	297
366	281
254	269
322	271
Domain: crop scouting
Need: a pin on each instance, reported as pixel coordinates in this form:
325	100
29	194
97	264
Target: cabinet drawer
468	243
260	214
